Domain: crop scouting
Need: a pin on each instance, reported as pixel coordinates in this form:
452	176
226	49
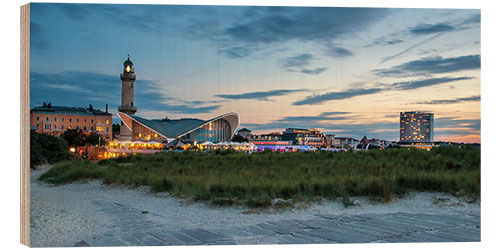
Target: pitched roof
73	110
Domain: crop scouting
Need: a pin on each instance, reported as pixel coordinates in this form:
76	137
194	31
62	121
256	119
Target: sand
65	214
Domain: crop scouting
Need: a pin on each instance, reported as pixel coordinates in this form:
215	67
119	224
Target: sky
344	71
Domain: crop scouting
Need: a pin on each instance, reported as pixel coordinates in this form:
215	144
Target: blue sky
345	71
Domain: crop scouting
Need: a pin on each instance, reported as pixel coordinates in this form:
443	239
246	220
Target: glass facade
141	133
216	131
187	131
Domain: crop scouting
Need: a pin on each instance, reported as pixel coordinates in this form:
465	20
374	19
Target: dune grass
233	178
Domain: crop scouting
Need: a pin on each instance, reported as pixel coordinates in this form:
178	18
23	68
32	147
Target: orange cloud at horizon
460	138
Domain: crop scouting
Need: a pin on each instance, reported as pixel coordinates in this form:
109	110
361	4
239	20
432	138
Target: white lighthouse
127	105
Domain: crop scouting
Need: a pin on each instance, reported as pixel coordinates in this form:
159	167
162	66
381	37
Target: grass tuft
229	178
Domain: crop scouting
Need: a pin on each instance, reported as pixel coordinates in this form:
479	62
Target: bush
47	149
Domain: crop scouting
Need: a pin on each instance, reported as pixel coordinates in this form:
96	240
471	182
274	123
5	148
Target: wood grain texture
25	132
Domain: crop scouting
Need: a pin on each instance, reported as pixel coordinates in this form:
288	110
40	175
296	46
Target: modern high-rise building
416	126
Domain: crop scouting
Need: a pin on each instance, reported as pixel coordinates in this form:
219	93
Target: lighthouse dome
128	62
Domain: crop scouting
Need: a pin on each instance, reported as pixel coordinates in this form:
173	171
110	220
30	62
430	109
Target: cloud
260	95
313	119
456	122
278	24
274	25
333	113
38	41
297	61
338	52
436	30
425	29
474	19
385	41
143	18
426	82
235	52
323	117
313	71
79	88
185	109
452	101
330	96
432	65
350	93
391	116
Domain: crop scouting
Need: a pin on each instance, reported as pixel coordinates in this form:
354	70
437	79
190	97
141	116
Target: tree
115	128
74	137
94	139
47	149
239	138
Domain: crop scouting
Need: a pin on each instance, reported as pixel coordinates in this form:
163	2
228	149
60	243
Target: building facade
54	120
329	141
345	142
416	126
127	102
304	137
187	130
244	132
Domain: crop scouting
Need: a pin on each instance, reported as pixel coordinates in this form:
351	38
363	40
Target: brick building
54	120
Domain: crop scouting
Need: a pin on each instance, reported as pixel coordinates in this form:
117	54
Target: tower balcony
130	76
127	109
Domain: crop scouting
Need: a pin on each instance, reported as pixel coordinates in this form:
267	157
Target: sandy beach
66	214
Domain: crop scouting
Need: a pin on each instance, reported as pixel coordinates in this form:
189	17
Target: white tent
206	143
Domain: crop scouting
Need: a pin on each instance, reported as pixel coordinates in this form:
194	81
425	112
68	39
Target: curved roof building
220	128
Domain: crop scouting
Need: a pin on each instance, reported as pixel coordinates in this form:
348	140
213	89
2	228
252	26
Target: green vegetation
239	138
76	137
233	178
47	149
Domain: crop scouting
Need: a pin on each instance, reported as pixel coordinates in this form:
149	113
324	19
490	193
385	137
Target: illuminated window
107	121
99	128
